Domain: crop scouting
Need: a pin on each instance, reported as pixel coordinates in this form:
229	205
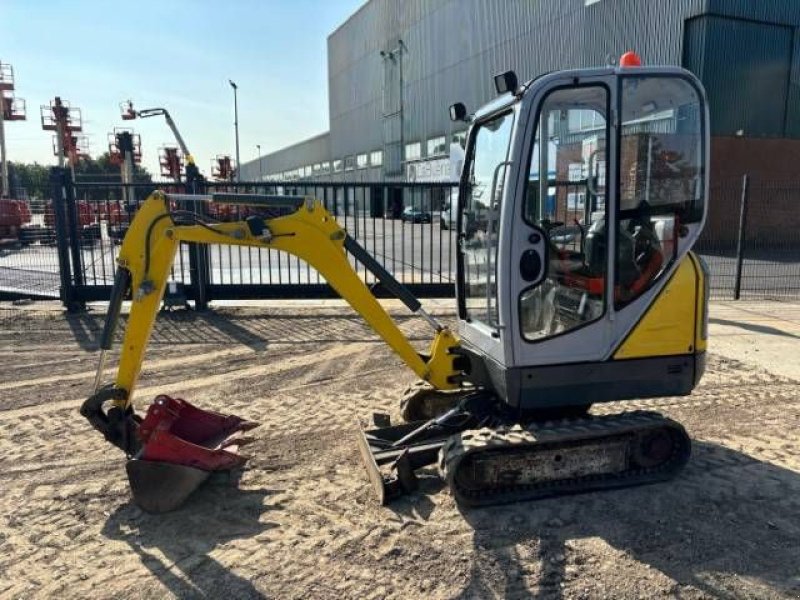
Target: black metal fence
405	226
68	247
751	240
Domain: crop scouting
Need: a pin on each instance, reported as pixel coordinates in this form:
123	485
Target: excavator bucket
181	446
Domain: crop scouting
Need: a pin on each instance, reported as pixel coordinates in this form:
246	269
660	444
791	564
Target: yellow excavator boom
310	233
176	445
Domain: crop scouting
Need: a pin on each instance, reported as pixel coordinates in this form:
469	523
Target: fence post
74	224
741	237
58	192
198	255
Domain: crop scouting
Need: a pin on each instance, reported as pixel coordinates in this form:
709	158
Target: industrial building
395	66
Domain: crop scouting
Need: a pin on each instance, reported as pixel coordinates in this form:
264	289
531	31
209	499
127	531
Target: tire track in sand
270	368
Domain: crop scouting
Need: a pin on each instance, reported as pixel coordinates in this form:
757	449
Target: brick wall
774	200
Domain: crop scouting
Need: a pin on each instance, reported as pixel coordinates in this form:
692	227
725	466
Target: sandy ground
302	522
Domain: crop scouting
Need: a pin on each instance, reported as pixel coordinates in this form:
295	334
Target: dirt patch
302	522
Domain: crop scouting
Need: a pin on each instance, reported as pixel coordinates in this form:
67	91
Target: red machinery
15	215
13	108
117	142
65	121
86	214
74	147
222	168
170	160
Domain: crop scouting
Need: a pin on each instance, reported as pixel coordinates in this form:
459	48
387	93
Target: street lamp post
236	125
260	167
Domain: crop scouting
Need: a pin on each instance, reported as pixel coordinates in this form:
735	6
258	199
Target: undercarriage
488	455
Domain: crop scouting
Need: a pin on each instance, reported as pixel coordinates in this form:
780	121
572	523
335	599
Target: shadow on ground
255	331
728	526
176	546
753	327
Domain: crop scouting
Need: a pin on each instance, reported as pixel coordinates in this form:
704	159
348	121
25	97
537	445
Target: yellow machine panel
670	326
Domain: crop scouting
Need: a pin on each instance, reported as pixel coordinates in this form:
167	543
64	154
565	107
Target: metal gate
403	225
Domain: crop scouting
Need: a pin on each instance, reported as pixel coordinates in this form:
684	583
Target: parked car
415	215
448	218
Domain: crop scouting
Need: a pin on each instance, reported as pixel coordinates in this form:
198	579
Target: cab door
483	197
560	313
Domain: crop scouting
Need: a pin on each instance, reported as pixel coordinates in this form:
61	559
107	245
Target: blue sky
178	54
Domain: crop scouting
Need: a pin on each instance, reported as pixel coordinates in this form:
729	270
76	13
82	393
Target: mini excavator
581	196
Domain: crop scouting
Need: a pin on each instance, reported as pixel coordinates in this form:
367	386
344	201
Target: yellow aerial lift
581	196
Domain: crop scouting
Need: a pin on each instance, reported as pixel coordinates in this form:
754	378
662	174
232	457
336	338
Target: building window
575	171
337	165
437	146
460	137
349	163
316	169
413	151
307	171
325	167
584	120
376	158
361	161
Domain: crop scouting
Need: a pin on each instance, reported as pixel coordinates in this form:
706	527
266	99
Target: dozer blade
391	469
181	446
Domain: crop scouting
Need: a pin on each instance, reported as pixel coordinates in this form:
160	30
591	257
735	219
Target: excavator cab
591	188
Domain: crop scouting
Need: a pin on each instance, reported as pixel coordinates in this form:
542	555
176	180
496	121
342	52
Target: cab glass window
566	198
487	168
661	174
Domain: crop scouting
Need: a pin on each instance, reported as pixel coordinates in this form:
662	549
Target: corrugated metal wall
747	82
454	47
313	150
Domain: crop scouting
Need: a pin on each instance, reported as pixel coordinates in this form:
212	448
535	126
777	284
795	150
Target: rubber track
461	446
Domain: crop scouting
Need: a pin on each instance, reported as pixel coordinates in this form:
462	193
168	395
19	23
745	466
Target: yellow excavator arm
175	446
310	232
